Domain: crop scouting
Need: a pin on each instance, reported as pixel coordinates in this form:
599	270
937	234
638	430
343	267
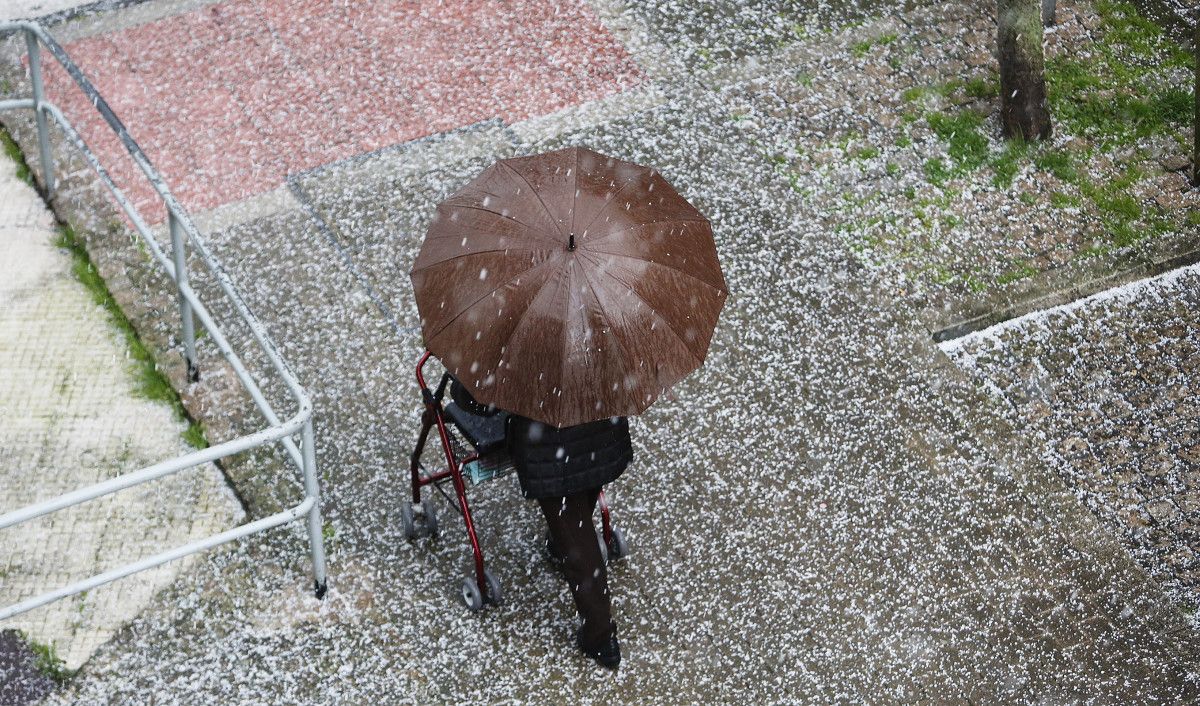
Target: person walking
564	470
572	290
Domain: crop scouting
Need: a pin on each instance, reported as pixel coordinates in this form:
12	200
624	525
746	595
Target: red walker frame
435	416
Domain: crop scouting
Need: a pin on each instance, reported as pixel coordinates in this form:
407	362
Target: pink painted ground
229	99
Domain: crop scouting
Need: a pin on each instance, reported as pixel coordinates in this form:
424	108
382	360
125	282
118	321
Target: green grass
1021	270
13	150
866	153
194	436
862	48
983	88
936	171
149	382
1007	163
965	141
1060	200
47	662
1059	163
1121	94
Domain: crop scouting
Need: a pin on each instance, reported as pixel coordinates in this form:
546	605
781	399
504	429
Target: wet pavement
829	511
20	681
1107	390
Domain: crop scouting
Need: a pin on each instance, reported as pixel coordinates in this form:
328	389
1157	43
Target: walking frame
487	455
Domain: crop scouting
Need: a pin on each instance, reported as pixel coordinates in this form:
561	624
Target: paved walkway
1108	386
32	9
303	88
830	512
71	416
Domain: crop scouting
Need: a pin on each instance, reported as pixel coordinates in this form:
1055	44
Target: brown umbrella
568	286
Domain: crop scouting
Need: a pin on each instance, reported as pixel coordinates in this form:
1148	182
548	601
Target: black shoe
607	654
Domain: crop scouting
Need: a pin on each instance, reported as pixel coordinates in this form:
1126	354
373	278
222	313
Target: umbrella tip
571	242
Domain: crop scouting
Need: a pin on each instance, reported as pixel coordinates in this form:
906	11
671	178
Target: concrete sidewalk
72	415
830	512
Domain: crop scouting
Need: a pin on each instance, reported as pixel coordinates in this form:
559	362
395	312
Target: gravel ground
1108	389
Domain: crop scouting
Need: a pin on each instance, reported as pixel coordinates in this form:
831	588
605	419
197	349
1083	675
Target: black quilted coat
556	462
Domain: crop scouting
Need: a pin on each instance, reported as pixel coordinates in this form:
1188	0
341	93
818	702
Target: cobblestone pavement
1109	389
829	511
893	143
70	417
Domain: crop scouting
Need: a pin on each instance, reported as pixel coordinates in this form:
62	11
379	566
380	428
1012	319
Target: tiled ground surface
70	418
1109	389
302	88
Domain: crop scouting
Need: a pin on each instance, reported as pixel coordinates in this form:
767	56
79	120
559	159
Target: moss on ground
150	382
1118	94
47	662
1114	97
13	151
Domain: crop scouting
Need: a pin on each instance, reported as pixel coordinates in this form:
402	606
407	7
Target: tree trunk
1023	111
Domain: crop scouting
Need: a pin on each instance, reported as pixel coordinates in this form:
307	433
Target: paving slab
72	416
1105	387
302	90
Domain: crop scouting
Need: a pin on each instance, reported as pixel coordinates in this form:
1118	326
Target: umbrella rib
549	213
686	347
685	273
498	287
471	254
536	231
575	191
604	314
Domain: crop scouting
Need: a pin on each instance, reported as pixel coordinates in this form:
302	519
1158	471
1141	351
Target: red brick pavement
229	99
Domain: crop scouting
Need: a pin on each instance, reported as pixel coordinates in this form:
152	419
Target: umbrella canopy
568	286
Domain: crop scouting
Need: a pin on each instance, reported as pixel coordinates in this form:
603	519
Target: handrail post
187	322
316	540
35	76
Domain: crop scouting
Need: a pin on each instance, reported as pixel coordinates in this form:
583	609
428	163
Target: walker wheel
470	594
494	594
618	547
406	520
430	512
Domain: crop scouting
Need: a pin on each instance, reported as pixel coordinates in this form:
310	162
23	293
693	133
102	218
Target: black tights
573	537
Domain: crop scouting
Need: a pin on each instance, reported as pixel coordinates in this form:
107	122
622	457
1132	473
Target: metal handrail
180	226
